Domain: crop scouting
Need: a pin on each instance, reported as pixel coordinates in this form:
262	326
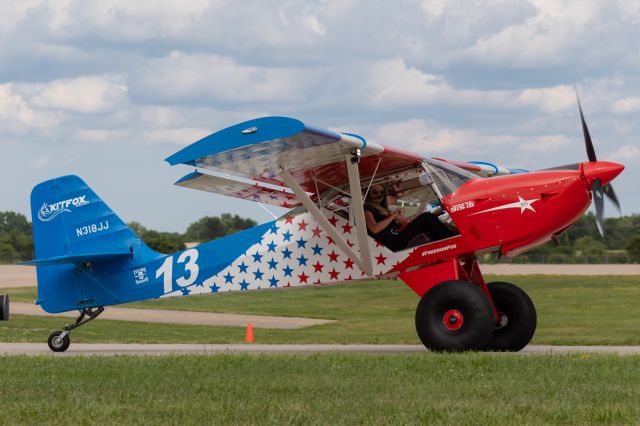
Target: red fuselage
513	213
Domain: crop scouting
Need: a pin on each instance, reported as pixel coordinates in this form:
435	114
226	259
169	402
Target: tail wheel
4	307
518	317
57	343
454	316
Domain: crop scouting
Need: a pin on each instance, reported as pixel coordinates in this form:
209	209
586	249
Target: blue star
302	260
185	291
242	267
256	257
301	243
274	229
272	264
228	278
244	285
286	253
200	284
316	249
287	236
287	271
258	274
272	246
214	288
273	282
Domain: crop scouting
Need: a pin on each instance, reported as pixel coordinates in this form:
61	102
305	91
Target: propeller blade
611	195
598	200
591	153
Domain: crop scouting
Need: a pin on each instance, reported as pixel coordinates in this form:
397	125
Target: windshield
447	177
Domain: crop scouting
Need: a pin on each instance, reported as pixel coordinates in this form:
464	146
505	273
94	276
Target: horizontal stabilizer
76	258
237	189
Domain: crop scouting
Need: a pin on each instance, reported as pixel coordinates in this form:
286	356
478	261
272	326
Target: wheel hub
504	320
453	319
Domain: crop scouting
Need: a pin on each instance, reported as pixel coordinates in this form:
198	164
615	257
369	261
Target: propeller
599	191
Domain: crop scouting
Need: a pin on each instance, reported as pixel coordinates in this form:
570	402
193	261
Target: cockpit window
447	177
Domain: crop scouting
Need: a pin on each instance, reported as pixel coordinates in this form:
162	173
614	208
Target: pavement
180	317
25	276
109	349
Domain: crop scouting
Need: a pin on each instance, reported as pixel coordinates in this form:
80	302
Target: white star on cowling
521	204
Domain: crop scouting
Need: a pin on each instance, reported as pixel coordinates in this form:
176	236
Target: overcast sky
107	89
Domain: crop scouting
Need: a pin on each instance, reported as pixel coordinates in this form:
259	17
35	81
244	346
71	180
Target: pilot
391	228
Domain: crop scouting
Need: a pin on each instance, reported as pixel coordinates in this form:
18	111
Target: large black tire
518	317
4	307
58	345
454	316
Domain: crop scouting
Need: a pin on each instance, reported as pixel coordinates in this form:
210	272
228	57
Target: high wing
302	162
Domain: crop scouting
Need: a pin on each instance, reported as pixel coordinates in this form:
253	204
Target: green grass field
321	389
571	310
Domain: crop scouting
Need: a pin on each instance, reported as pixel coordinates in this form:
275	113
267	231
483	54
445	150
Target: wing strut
358	212
364	262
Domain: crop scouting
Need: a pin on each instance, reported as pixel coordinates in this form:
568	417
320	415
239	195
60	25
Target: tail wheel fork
60	340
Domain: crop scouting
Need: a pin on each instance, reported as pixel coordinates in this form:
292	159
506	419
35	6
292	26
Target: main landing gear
59	340
466	314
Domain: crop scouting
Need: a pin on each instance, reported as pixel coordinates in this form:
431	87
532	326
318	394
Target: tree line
580	242
16	237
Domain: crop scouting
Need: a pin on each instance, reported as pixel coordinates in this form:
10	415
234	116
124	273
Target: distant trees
212	227
16	241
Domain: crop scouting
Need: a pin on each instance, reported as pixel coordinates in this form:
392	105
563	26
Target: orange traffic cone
248	338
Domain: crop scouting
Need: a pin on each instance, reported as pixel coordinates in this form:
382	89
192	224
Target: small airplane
87	258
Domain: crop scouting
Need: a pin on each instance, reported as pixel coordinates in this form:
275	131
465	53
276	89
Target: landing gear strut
59	340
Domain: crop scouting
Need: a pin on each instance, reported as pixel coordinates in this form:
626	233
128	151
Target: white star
521	204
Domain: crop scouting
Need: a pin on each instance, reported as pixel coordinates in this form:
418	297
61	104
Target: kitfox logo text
49	211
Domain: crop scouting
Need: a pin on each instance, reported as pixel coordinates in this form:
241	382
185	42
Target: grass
571	310
321	389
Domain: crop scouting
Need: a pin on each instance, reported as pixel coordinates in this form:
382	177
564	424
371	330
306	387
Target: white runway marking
80	349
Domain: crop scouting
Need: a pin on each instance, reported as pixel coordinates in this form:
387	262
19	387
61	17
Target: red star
349	278
316	232
286	205
302	226
349	243
348	264
318	281
288	219
333	256
334	274
303	278
330	240
318	267
380	259
379	244
288	285
346	228
333	220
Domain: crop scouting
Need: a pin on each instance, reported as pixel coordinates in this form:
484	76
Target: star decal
318	267
380	259
274	228
302	260
333	220
333	274
317	249
348	264
214	288
288	219
330	240
228	278
272	264
303	277
272	246
521	204
287	271
256	257
346	228
301	243
286	253
316	232
273	282
302	226
242	267
185	291
244	285
333	256
258	274
287	236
